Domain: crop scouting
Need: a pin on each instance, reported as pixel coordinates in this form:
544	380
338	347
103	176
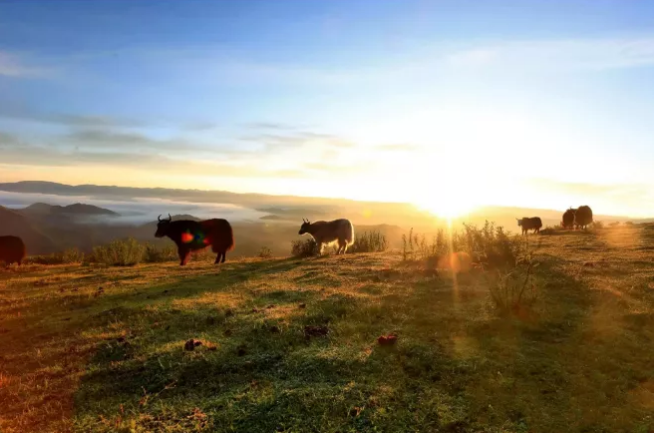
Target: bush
68	256
127	252
304	248
265	253
515	292
598	225
488	246
154	254
369	242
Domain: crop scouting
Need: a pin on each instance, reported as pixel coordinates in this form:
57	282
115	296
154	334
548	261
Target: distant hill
11	223
77	209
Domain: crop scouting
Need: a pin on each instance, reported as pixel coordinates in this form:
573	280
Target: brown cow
568	220
197	235
12	250
583	217
527	224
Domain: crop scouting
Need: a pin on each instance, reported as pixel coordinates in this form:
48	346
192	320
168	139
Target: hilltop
291	345
73	210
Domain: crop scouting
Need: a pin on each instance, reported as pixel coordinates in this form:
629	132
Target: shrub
369	242
126	252
598	225
68	256
515	292
304	248
155	254
265	253
489	246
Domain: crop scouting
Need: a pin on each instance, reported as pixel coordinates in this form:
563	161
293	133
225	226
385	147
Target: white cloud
12	65
599	53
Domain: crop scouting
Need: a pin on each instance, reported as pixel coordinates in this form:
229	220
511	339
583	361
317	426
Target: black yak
527	224
196	235
12	250
325	233
583	217
568	221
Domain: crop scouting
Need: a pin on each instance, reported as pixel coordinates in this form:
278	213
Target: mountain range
47	228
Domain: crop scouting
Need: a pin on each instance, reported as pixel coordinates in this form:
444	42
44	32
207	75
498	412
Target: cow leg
183	256
319	247
224	257
217	259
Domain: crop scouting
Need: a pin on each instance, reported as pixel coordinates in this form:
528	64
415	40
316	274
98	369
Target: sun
447	203
448	209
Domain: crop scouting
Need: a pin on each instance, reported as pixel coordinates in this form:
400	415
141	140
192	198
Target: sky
446	104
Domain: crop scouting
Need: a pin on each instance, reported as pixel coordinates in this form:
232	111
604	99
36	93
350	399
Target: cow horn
159	218
170	218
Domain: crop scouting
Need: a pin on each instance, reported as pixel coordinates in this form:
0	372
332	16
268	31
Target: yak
527	224
568	220
327	232
583	217
12	250
197	235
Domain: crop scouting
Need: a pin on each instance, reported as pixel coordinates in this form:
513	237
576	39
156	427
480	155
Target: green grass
96	349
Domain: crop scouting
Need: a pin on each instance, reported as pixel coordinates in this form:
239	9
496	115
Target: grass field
103	349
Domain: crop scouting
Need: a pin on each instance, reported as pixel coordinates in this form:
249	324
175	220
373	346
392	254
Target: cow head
305	226
162	226
519	222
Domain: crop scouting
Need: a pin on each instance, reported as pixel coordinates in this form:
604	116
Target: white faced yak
327	232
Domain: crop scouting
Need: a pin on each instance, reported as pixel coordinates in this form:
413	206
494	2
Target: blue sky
448	104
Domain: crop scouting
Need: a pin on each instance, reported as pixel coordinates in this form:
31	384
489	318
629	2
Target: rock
387	340
302	305
275	329
198	343
315	331
189	345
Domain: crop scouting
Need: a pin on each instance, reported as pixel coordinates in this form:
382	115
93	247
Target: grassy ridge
102	349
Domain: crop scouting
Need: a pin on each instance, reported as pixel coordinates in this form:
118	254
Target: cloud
294	140
589	53
398	147
199	126
270	125
13	151
474	57
23	112
11	65
112	139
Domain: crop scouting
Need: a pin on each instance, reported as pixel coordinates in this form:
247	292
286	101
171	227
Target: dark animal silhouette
12	250
325	233
527	224
197	235
568	221
583	217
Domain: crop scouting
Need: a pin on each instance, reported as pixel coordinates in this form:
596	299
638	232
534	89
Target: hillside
291	345
11	223
74	211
